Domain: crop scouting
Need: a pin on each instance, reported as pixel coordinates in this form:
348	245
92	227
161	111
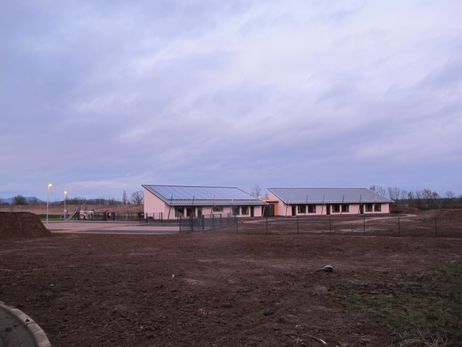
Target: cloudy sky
98	97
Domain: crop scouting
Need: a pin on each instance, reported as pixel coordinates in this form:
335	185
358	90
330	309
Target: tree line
423	199
136	198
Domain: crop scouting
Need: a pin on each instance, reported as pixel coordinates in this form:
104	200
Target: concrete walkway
116	228
18	329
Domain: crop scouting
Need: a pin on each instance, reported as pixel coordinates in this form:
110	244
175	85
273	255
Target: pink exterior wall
286	210
258	211
152	204
280	209
385	208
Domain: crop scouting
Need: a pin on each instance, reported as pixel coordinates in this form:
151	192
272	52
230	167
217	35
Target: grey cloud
97	95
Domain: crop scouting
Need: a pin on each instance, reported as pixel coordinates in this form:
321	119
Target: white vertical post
65	210
48	198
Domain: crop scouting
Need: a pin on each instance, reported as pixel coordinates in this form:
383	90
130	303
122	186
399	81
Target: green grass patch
426	309
51	217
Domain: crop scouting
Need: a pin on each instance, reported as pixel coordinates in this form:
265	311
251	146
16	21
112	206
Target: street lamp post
65	211
48	197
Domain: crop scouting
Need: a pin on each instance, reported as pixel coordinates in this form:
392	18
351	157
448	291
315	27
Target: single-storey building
175	201
326	201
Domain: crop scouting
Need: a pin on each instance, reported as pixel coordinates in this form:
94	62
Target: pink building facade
169	202
326	201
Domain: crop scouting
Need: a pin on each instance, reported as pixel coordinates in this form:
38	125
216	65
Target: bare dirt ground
210	288
443	222
21	225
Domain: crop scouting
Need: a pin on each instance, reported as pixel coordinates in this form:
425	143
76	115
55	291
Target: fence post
213	221
192	223
364	224
297	224
180	224
237	224
330	223
399	226
436	227
203	222
266	225
221	220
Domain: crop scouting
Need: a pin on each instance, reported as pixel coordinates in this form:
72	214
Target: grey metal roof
175	195
327	195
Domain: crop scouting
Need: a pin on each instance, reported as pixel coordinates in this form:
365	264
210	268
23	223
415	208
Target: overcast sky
98	97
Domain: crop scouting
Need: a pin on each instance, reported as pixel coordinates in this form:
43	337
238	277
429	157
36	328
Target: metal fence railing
355	225
209	222
107	216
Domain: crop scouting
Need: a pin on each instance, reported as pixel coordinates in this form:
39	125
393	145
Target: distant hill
29	200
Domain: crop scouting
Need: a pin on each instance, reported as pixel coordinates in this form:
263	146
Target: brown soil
209	288
440	223
15	225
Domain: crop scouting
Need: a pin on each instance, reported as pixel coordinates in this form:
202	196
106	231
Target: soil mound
21	225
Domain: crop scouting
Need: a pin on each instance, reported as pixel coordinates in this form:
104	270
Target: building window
302	209
245	210
235	210
179	212
345	208
217	208
311	208
378	207
190	212
335	208
368	207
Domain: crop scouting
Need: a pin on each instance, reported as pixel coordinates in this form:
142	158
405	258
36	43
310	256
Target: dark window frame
179	211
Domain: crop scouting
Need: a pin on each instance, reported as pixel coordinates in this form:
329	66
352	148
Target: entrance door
294	210
361	209
328	209
252	211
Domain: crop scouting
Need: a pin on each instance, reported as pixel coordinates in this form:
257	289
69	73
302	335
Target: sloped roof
176	195
327	195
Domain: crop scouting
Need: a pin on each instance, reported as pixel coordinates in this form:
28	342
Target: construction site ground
214	288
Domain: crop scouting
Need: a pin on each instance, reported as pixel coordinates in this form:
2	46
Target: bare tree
404	195
19	200
450	195
428	194
378	189
394	193
256	191
137	197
